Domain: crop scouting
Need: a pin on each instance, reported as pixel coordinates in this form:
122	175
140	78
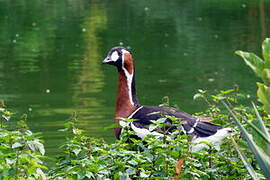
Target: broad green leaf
263	94
266	51
266	76
253	61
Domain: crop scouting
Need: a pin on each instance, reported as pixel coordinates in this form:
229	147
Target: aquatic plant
261	147
261	67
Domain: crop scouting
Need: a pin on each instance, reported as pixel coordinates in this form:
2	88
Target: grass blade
250	169
263	127
262	159
259	132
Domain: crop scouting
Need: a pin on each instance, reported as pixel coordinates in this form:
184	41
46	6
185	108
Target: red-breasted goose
127	106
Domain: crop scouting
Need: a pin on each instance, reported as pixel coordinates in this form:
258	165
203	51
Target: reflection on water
50	54
91	78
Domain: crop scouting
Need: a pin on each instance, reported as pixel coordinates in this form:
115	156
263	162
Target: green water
51	52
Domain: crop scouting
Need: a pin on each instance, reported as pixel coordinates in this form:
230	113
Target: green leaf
152	127
131	171
41	174
266	76
132	162
124	124
197	96
76	151
161	120
266	51
144	175
16	145
253	61
10	161
6	117
263	94
77	131
114	125
36	146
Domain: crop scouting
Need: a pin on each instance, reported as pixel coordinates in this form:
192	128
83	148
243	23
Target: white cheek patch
114	56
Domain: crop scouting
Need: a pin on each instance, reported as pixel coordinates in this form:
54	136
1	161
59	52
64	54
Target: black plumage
191	124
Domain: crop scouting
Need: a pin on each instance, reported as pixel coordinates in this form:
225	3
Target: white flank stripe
191	130
216	139
142	132
132	114
195	124
183	129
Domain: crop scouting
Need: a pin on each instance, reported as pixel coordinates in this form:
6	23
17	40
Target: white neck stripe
129	80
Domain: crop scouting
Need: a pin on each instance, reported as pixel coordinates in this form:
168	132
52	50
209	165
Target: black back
146	114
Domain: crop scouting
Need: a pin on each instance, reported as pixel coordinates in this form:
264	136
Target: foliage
262	70
84	157
261	147
261	150
155	156
21	151
253	128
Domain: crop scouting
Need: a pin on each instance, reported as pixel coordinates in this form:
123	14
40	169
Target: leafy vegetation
262	70
261	147
153	157
84	157
21	151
